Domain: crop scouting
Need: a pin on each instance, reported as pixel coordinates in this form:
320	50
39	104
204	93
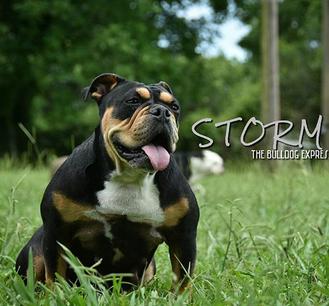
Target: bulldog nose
160	112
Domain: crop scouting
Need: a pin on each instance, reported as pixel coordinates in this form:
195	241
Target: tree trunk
270	110
325	72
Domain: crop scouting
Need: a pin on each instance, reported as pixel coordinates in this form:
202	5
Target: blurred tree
325	70
299	50
49	50
270	67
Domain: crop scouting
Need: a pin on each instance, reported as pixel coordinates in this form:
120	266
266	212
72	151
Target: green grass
262	240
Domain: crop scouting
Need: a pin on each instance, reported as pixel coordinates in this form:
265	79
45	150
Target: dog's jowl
120	193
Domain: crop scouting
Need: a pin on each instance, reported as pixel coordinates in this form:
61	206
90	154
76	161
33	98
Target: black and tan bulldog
120	194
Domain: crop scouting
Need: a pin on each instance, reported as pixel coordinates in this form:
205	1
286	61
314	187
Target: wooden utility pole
325	72
270	110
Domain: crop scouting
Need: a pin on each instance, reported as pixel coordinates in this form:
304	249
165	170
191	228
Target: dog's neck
130	176
103	163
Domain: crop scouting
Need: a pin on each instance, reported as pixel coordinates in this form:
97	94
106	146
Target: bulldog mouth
158	156
157	152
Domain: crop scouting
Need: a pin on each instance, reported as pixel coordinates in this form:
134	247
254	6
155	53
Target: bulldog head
139	122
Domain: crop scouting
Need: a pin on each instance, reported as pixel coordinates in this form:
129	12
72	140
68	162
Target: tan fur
175	212
39	268
108	122
109	126
49	278
131	133
184	286
166	97
143	93
180	281
113	85
175	265
149	273
96	95
69	210
60	269
61	266
127	132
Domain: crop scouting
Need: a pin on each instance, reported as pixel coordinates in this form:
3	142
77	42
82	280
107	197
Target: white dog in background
196	165
209	164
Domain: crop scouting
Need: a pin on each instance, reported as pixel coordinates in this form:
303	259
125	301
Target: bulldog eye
175	107
133	101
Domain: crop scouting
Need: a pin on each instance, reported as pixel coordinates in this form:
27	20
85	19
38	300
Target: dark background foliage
50	50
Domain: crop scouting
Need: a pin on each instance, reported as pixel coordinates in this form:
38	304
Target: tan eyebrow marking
166	97
96	95
144	93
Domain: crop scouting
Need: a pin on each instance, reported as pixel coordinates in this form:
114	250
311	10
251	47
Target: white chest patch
139	202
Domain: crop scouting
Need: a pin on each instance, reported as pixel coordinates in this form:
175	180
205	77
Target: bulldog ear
166	86
101	85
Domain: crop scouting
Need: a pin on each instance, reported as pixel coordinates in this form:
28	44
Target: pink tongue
158	156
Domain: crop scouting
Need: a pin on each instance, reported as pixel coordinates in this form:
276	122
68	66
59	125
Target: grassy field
262	240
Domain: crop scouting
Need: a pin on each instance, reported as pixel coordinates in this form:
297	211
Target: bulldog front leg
52	251
54	262
182	250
